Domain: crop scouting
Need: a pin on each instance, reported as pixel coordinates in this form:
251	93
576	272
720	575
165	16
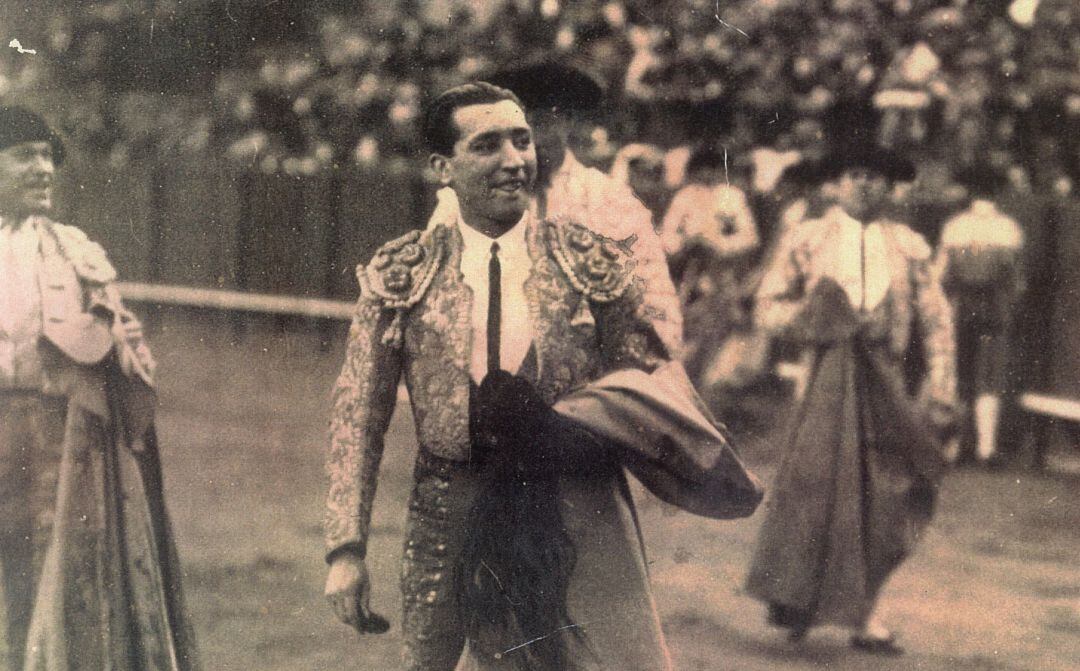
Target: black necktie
494	318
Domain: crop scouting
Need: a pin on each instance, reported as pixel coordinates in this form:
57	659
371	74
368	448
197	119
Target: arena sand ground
995	584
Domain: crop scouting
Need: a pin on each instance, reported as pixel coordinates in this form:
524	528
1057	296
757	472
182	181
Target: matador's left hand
348	589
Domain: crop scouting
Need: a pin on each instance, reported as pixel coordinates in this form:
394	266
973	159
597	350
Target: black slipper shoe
885	647
796	621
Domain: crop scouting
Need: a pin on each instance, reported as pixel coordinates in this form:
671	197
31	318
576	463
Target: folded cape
668	439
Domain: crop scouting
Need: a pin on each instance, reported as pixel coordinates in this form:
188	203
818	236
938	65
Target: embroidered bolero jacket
81	308
900	266
413	319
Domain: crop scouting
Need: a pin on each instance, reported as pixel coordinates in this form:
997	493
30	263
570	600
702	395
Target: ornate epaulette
86	256
400	273
598	268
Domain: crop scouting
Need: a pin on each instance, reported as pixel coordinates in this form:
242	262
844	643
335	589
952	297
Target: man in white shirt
709	234
27	476
858	480
980	251
709	211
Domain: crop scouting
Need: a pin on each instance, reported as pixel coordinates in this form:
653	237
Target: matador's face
493	164
26	179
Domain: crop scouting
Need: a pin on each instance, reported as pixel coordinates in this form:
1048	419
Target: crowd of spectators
298	87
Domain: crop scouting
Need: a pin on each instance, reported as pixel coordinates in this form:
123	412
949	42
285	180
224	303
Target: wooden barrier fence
198	222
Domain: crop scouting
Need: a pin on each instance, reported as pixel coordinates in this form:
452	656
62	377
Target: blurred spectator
979	252
709	210
770	164
909	87
708	234
675	166
294	80
641	167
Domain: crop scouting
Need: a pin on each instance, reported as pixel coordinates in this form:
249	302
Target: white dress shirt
981	226
20	304
856	257
516	332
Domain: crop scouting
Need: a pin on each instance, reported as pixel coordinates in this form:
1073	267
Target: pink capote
109	595
657	427
668	439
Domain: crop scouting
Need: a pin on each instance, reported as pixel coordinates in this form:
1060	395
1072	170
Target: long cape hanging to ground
110	595
857	484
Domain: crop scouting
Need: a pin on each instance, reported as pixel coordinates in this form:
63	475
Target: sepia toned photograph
539	335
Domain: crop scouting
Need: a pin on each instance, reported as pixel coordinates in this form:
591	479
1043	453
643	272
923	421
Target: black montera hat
887	162
981	180
18	125
840	159
705	157
548	85
851	134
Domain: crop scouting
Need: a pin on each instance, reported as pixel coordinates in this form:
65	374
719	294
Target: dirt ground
995	585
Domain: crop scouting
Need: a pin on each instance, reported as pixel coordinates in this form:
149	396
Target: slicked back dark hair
439	129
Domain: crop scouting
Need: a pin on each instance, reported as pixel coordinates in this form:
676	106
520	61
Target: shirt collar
510	243
983	207
838	214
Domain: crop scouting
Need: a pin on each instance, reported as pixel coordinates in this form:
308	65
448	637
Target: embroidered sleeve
88	257
363	402
781	294
660	303
627	340
935	320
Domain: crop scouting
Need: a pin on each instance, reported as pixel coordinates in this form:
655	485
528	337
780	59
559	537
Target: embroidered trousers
609	596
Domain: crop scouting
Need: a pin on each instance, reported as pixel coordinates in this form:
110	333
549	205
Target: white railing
320	308
223	299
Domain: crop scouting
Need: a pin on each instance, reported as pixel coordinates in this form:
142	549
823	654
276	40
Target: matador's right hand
348	588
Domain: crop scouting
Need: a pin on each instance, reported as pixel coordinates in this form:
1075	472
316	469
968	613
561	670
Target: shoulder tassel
394	335
583	316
